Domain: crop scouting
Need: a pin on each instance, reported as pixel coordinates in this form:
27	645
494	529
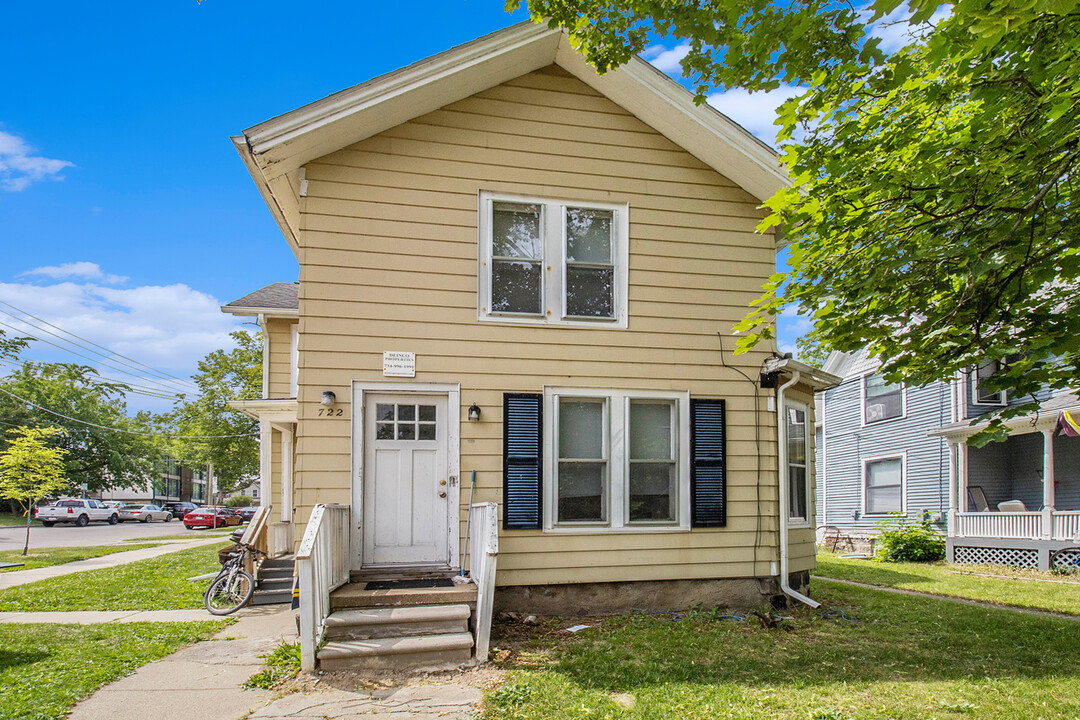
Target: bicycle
233	587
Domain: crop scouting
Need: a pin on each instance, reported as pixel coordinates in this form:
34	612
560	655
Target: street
12	537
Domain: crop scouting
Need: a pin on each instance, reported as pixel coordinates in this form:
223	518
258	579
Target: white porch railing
1066	525
322	564
1016	525
483	557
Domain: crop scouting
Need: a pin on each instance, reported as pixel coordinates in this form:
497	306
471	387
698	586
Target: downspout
781	448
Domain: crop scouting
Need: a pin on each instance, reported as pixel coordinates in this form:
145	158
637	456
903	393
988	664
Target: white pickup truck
80	512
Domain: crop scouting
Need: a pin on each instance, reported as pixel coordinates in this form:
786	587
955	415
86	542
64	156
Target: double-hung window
618	459
979	393
883	485
881	400
798	490
553	262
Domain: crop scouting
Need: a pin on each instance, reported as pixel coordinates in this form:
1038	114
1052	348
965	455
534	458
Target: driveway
12	537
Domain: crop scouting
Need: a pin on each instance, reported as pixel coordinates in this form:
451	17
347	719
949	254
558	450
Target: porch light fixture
328	398
474	412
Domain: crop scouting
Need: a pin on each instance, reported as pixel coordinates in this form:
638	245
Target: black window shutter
523	463
708	464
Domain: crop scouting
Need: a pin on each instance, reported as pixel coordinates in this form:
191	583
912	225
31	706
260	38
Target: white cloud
83	269
168	327
664	60
754	111
19	167
895	30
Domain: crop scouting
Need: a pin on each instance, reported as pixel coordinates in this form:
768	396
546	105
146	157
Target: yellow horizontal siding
389	262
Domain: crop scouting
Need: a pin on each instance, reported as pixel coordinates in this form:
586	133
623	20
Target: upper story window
881	400
553	262
979	394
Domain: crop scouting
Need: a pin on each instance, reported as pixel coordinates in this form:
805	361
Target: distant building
175	482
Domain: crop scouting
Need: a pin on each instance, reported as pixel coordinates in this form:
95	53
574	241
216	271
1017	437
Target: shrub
240	501
906	540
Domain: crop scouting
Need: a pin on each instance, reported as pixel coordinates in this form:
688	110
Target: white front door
406	480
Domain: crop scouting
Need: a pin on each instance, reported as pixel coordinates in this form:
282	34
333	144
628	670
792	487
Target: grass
192	535
44	557
156	584
946	579
281	665
46	669
12	519
904	658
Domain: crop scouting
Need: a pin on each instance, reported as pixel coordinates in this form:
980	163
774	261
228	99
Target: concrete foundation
650	596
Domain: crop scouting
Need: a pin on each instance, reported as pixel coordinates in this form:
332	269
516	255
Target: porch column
266	445
961	482
1048	484
286	472
954	490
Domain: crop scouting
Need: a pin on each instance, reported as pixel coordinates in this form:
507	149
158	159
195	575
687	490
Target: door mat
409	584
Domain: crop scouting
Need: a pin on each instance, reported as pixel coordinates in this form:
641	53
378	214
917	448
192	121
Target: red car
211	517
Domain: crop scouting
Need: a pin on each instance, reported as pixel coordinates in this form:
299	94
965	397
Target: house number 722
331	412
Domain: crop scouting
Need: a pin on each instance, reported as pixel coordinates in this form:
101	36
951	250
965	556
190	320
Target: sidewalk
201	681
22	577
93	617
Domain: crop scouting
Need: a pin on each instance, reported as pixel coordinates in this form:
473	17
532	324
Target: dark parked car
179	509
246	513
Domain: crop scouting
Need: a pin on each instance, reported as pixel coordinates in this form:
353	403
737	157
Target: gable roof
275	151
281	298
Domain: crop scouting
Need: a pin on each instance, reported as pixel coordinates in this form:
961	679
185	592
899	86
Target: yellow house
518	281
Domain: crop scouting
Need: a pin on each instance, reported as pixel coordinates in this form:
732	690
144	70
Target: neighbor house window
980	395
619	459
553	262
883	488
798	492
881	400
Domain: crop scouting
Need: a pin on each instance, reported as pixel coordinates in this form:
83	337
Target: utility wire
134	388
173	391
122	430
160	373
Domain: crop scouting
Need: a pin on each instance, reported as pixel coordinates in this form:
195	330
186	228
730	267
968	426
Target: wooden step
389	622
431	652
353	595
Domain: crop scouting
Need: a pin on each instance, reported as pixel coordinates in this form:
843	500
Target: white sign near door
399	364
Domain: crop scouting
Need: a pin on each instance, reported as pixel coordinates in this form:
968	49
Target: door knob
442	493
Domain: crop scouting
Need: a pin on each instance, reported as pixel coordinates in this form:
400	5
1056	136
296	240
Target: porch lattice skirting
1034	554
996	556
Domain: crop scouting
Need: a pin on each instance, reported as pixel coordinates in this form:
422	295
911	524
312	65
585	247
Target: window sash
796	456
877	492
889	397
984	372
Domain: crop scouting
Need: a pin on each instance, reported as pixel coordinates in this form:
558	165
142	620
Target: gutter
781	446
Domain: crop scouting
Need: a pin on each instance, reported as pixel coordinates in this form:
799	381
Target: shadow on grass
896	639
15	658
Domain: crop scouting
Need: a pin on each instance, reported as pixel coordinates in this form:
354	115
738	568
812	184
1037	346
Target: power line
123	430
135	389
108	364
160	373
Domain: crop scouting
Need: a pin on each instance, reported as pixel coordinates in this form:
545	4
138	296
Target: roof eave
256	172
816	378
256	311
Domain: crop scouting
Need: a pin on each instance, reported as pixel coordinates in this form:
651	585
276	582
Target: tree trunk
29	519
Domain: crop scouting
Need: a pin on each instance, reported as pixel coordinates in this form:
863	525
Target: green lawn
46	669
905	658
43	557
156	584
946	579
191	535
10	519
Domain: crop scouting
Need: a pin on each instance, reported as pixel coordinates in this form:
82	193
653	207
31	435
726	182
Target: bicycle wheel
228	593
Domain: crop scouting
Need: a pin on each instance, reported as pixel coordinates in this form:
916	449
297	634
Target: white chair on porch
1012	506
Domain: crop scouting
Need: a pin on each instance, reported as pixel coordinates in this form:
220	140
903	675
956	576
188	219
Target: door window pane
384	431
406	412
406	431
384	412
426	431
427	413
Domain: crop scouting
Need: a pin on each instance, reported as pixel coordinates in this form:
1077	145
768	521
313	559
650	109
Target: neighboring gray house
889	448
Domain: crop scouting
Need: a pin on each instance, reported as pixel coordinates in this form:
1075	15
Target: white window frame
617	423
794	520
973	388
553	267
862	402
902	457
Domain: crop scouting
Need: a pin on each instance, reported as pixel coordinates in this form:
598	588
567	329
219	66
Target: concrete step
390	622
353	595
271	597
432	652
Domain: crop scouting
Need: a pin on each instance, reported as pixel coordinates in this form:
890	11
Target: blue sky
125	214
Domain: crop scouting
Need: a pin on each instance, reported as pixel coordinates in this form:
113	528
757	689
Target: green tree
931	216
230	443
31	470
104	448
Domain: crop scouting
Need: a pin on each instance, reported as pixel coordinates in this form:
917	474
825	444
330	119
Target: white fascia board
701	130
272	411
252	165
265	312
288	141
